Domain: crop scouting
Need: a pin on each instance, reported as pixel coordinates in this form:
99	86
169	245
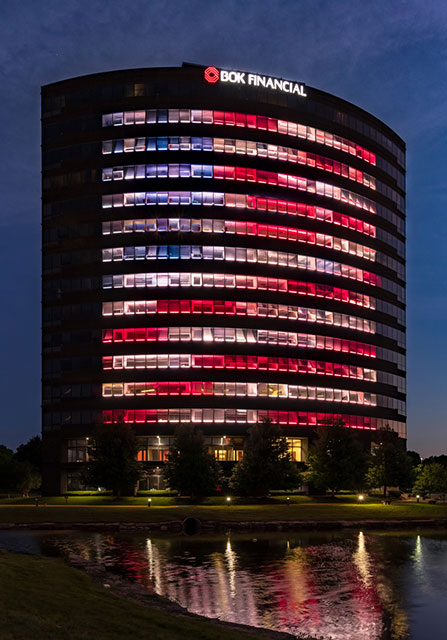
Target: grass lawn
105	509
43	599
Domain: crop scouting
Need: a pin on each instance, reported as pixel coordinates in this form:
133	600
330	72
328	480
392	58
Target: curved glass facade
204	250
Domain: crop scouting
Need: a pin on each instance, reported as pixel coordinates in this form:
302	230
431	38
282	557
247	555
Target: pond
341	586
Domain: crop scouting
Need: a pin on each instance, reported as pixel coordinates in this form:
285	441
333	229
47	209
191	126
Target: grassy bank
92	509
44	599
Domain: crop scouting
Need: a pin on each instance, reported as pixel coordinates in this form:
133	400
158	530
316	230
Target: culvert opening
190	526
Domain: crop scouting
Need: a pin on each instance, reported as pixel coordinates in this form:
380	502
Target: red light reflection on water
337	589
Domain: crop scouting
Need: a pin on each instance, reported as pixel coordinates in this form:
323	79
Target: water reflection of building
331	590
340	588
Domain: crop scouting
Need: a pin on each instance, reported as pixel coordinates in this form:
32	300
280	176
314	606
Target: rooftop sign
213	75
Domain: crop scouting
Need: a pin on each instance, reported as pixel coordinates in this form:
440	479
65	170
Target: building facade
218	247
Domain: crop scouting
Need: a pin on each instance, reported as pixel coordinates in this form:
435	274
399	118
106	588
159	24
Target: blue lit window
151	144
140	253
162	198
162	144
151	116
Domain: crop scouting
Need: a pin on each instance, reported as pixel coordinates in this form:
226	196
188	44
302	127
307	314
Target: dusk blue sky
389	57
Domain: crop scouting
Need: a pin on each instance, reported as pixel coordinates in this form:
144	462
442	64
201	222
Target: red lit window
240	173
219	172
262	177
151	335
251	202
251	122
240	119
251	175
219	117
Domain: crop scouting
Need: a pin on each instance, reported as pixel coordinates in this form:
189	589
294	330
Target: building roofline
318	93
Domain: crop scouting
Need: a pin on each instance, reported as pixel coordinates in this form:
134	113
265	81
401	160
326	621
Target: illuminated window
243	389
243	174
241	362
242	254
243	335
249	416
251	203
241	147
240	120
241	308
297	447
231	281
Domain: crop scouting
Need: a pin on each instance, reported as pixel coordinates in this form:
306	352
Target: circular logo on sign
211	74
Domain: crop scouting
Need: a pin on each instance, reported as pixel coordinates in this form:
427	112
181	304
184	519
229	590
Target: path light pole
149	500
228	501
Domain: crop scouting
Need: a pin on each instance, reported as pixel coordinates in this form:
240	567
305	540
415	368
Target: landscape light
418	497
228	501
288	501
149	500
361	498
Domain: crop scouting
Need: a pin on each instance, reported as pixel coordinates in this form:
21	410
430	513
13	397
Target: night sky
389	57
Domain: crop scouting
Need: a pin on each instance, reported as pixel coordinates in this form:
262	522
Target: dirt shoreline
178	526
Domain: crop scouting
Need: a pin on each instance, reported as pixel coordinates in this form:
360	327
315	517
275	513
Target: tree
191	469
6	469
337	459
31	452
266	463
390	465
415	458
25	477
442	460
431	479
17	475
113	459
